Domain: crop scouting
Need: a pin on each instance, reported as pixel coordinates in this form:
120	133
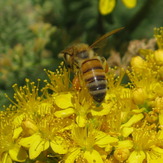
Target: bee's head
68	56
75	53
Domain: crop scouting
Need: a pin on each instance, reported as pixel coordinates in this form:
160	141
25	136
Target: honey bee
84	62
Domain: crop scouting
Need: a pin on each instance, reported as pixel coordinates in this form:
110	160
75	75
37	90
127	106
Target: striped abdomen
94	77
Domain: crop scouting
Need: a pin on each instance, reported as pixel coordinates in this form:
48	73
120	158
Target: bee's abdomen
95	78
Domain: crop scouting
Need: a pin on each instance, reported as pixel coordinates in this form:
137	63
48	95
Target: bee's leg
105	64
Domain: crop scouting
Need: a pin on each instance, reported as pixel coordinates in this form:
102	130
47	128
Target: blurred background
33	32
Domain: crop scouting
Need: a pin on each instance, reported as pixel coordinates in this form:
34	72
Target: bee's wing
100	42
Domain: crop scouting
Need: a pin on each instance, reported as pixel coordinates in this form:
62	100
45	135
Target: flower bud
159	56
29	127
138	63
121	154
139	96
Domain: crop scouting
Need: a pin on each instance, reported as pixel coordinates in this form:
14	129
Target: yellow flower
161	119
159	56
107	6
78	103
68	125
103	109
29	127
138	64
145	141
134	119
161	72
127	128
130	4
23	116
139	96
50	132
59	80
137	156
147	84
9	149
156	160
158	33
26	97
85	139
121	154
111	122
114	124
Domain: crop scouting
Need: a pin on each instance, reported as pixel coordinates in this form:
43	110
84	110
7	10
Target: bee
84	62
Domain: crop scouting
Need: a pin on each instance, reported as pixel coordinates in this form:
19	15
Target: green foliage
23	40
14	20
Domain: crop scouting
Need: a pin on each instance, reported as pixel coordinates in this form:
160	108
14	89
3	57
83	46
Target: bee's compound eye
83	54
67	58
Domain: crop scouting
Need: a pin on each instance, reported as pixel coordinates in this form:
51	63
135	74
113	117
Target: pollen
158	33
84	137
50	126
144	138
26	97
59	80
6	128
112	122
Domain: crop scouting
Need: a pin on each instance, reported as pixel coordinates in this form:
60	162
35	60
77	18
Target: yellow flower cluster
107	6
61	124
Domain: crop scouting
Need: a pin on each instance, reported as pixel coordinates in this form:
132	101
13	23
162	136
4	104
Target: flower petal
81	120
125	144
109	148
130	3
154	159
106	6
37	147
161	118
26	142
6	158
63	100
160	134
59	145
93	156
126	131
18	154
136	157
134	119
70	158
64	113
18	119
17	132
102	139
103	110
157	149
